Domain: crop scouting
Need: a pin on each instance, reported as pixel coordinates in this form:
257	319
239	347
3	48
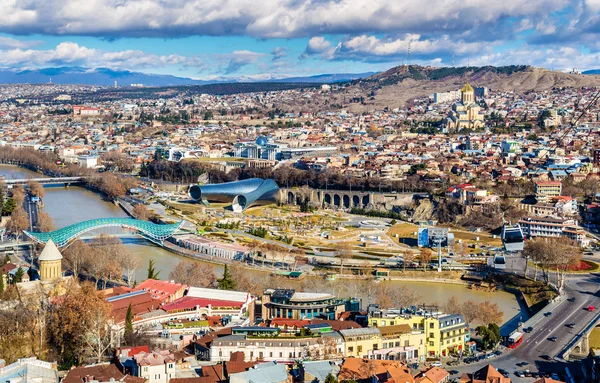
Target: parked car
528	329
553	339
591	308
570	325
437	363
453	372
498	352
547	314
520	374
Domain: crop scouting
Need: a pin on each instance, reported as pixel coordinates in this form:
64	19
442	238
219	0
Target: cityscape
299	192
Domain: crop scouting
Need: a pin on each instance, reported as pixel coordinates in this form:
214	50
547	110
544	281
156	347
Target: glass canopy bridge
63	237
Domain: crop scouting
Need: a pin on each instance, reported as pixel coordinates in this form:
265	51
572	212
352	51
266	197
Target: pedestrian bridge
62	237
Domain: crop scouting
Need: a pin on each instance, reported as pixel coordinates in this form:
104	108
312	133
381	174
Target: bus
515	340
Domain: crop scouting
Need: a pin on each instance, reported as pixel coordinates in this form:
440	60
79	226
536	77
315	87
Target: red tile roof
161	290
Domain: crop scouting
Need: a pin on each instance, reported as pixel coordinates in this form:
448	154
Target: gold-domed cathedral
465	114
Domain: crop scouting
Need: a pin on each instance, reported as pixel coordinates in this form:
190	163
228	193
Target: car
520	374
535	374
591	308
453	372
528	329
572	299
498	352
570	325
528	373
481	357
437	363
548	313
523	364
545	357
414	366
554	376
553	339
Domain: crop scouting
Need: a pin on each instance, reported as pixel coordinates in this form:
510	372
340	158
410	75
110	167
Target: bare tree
195	274
45	223
407	257
130	262
76	255
391	295
142	212
343	252
35	188
425	256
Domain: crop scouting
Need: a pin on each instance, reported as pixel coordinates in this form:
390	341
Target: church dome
467	88
50	252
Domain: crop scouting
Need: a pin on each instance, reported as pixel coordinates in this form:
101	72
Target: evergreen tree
330	379
152	273
226	283
6	260
8	207
1	284
128	334
18	275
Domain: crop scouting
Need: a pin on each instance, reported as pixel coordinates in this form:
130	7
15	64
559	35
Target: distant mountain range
107	77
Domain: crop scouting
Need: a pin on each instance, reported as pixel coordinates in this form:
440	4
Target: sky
254	39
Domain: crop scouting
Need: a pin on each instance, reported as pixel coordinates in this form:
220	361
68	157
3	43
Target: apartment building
547	189
553	227
361	342
444	334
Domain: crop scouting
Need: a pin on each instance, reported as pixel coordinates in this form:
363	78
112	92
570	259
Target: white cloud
70	53
267	18
372	48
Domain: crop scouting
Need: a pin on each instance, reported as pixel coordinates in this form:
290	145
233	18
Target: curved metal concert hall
241	194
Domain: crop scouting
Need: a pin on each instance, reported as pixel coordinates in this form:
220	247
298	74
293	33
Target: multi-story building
260	348
553	227
444	333
401	342
155	366
547	189
287	303
361	342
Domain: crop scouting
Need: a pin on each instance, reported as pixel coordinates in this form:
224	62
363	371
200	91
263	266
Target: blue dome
261	140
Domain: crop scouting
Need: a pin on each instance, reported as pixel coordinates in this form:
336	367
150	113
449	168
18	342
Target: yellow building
401	342
361	342
444	334
465	114
50	262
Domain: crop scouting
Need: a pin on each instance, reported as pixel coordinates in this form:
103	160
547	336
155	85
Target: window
350	349
431	325
260	355
392	323
375	346
406	343
431	335
430	344
281	354
290	355
397	344
359	349
270	355
384	345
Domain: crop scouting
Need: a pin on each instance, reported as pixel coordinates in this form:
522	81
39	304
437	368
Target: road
32	211
585	289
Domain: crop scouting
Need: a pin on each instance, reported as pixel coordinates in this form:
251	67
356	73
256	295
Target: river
70	205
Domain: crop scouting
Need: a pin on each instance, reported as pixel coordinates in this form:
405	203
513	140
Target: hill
398	85
107	77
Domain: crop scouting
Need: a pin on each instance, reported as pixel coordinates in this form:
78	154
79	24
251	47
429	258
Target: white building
155	367
88	161
29	370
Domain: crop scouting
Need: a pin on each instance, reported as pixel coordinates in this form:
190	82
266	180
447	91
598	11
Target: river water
70	205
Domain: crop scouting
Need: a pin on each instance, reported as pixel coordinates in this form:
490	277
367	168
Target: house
371	371
433	375
99	372
269	372
155	367
487	374
317	371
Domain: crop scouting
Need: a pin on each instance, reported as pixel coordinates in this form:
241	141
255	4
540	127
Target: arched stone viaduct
346	199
